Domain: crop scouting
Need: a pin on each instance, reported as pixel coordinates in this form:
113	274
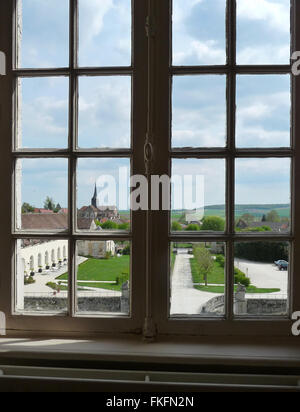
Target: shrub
192	227
240	277
213	223
262	251
176	226
126	251
108	255
29	280
221	260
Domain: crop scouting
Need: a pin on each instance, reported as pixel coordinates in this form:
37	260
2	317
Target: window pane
105	33
198	195
42	194
199	32
43	112
199	111
44	33
263	195
103	277
39	264
197	279
263	31
103	194
263	111
104	112
262	275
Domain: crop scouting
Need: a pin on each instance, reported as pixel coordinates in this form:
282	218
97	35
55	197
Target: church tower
94	198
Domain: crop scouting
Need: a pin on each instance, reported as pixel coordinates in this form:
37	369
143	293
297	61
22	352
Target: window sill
261	353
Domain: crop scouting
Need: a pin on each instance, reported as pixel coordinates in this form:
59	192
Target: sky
198	101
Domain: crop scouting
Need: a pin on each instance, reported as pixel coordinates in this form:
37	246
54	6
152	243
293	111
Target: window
203	95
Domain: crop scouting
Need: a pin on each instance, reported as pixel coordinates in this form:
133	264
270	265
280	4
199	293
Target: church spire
94	198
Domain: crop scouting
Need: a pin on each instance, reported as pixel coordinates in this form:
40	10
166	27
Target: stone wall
214	305
85	304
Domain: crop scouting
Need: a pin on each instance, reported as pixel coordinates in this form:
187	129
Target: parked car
279	262
283	266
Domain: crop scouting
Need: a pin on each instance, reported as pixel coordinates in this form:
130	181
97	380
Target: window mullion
73	120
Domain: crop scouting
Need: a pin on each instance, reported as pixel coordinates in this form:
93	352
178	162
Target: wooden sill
196	352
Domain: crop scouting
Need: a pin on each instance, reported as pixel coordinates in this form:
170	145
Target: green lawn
102	270
221	289
217	277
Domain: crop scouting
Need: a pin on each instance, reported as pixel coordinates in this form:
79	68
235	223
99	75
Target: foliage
273	216
29	280
123	226
109	225
176	226
49	203
27	208
248	218
126	251
57	208
262	251
204	260
240	277
193	227
221	260
108	255
213	223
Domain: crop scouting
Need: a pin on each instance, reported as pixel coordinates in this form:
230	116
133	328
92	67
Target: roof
44	211
38	221
84	224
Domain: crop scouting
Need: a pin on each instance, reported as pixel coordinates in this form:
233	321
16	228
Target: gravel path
185	299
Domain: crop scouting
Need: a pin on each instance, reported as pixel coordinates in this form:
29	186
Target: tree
57	208
213	223
27	208
264	218
204	260
109	224
49	203
176	226
273	216
248	218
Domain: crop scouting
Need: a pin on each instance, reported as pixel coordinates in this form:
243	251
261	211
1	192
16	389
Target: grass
102	270
217	277
221	289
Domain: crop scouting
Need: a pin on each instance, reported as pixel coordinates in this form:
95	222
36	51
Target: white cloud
200	52
276	14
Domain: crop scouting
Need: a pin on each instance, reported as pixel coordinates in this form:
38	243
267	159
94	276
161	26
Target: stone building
95	211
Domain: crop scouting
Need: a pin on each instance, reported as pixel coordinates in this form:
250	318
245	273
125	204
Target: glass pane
43	33
103	277
104	112
103	194
263	31
261	277
263	111
43	113
197	279
40	263
198	195
42	194
199	32
105	33
199	111
263	199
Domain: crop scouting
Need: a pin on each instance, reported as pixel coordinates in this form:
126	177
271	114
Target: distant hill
256	210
